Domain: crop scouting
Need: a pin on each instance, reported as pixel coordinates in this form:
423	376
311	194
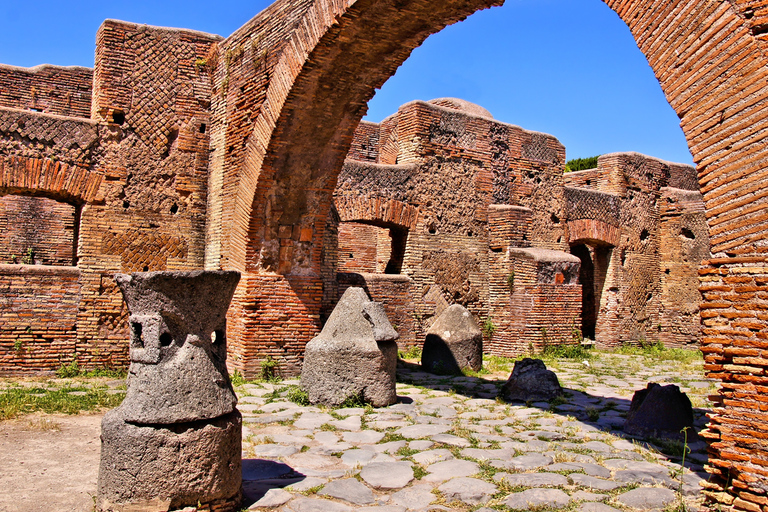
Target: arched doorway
595	258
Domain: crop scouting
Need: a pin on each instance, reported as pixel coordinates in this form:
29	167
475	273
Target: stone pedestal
175	441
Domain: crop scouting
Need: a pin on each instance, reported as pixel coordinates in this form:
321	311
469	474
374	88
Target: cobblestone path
449	444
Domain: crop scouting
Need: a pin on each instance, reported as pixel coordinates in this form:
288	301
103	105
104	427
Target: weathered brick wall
536	300
365	144
38	315
453	161
358	248
37	230
33	135
642	275
63	91
136	175
683	245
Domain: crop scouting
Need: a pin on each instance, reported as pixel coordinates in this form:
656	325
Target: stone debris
454	343
660	411
531	381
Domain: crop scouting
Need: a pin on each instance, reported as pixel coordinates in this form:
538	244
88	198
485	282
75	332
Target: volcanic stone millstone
355	355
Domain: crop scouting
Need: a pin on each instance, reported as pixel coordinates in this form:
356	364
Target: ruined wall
63	91
129	186
684	244
38	315
631	217
449	161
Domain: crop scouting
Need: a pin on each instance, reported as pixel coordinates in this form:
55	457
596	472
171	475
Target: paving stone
541	435
443	400
307	483
279	406
415	497
387	475
597	446
643	477
532	479
527	446
634	465
422	431
487	454
313	420
645	498
348	489
351	423
564	466
390	447
536	498
432	456
451	440
442	411
385	424
420	445
357	456
432	420
523	462
593	482
593	469
291	439
468	490
363	437
316	505
448	469
272	498
249	408
383	508
273	451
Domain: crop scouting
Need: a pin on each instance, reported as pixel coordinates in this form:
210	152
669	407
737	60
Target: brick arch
376	210
589	231
709	58
50	178
709	64
331	65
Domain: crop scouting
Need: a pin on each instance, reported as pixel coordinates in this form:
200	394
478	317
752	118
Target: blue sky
565	67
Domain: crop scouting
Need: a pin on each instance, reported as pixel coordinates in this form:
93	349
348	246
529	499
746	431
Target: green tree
580	164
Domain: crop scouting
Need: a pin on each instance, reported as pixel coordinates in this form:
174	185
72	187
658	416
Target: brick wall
37	230
644	240
63	91
38	318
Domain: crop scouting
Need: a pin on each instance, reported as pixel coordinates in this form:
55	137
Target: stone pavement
449	444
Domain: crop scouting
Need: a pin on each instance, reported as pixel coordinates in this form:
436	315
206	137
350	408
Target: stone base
330	375
166	467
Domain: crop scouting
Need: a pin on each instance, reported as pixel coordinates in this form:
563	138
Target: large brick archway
294	82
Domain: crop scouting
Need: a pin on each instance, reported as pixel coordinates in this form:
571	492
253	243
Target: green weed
18	401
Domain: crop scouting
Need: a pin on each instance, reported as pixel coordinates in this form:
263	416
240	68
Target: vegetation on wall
581	164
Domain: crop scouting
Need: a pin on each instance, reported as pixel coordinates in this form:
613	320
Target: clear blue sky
565	67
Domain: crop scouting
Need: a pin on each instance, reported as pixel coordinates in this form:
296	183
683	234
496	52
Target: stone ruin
530	380
175	440
354	356
182	150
